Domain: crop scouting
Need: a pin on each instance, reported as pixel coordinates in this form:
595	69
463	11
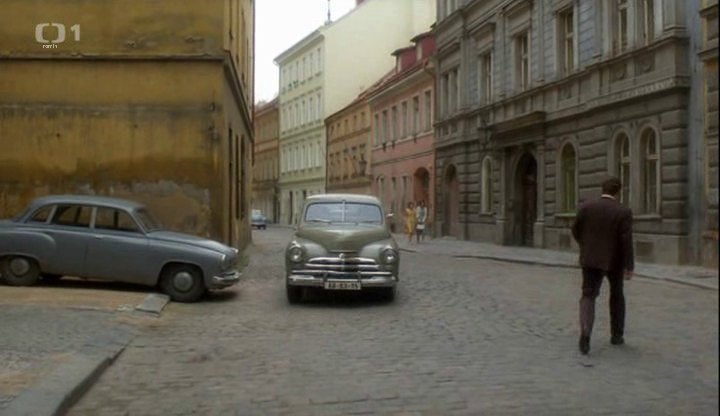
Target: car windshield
343	212
147	221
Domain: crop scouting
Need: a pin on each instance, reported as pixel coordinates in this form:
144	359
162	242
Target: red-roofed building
402	136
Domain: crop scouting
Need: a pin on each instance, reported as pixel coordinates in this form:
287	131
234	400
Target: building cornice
314	37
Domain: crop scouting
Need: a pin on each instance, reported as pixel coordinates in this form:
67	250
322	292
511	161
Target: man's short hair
611	186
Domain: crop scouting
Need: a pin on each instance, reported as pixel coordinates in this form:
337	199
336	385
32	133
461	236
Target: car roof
368	199
87	199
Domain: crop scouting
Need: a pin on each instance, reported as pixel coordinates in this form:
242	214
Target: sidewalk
57	338
688	275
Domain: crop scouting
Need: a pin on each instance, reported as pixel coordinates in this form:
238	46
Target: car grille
348	267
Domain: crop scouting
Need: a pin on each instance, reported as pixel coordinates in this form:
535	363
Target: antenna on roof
329	20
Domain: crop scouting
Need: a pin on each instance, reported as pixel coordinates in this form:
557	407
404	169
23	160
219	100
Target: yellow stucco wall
114	27
78	128
140	108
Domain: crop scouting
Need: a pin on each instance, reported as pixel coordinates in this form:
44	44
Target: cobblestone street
464	336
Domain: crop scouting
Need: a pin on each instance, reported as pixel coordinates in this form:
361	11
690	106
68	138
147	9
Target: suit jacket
603	229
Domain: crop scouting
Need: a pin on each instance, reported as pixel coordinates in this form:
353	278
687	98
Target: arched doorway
421	185
525	207
451	198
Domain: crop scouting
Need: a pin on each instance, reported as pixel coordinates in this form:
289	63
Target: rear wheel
20	271
182	283
294	293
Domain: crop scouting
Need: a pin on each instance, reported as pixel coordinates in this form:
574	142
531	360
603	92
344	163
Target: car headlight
296	254
389	256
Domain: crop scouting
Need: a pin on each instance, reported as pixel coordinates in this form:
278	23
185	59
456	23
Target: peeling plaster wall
138	130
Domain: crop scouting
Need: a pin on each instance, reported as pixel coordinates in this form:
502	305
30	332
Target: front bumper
225	280
308	280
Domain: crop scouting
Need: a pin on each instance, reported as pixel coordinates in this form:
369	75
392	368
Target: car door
118	249
69	227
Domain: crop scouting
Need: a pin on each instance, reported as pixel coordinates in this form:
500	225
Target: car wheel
51	278
182	283
294	294
388	293
20	271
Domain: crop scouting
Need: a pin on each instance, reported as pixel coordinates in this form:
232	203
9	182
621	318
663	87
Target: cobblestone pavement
34	340
464	337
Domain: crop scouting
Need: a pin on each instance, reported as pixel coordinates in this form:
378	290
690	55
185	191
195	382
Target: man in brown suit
603	229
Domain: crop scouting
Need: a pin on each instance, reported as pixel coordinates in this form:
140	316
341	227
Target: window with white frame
485	70
302	157
486	186
319	60
296	156
312	63
566	47
311	110
319	106
308	156
320	156
302	112
651	171
568	186
622	166
522	61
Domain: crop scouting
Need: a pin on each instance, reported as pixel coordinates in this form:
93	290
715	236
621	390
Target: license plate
335	285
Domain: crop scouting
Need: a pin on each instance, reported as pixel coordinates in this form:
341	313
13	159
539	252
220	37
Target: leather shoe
617	340
584	345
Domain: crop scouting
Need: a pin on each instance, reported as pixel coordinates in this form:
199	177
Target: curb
153	304
572	266
64	386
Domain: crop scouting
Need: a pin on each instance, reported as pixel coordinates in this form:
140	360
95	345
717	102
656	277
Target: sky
279	24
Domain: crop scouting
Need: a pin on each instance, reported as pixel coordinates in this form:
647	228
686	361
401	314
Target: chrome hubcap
183	281
19	266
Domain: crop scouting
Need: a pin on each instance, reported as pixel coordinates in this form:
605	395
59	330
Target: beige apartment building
324	72
348	157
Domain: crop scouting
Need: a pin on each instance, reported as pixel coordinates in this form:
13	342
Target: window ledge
567	215
648	217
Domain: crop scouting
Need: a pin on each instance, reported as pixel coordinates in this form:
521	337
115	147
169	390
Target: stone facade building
146	100
348	149
266	161
402	106
708	152
540	100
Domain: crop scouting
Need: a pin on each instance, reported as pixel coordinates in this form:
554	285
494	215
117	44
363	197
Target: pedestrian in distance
421	218
603	229
410	221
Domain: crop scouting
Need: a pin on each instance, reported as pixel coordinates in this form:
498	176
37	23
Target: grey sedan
110	239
